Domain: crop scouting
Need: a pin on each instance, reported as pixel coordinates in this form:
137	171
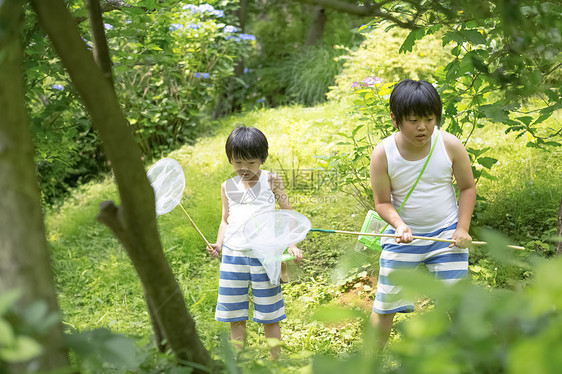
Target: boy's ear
394	120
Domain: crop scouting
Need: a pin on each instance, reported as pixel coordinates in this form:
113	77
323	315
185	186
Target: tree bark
134	223
24	257
316	30
101	51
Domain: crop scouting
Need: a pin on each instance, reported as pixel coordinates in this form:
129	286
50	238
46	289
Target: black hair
246	143
418	98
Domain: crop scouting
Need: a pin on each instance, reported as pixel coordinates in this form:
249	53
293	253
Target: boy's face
247	169
416	130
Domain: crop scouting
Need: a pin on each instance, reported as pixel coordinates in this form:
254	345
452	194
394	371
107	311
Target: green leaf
487	162
474	36
23	349
410	40
6	333
8	299
496	112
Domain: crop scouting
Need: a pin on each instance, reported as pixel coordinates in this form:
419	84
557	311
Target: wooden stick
195	227
396	236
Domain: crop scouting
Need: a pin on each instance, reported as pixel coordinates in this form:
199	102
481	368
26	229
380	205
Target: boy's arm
462	171
380	183
278	189
216	248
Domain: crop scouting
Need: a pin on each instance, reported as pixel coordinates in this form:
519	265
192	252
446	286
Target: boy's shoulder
450	140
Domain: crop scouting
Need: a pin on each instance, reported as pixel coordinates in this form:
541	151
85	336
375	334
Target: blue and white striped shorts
239	270
448	264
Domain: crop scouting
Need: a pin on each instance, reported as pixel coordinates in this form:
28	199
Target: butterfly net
168	181
270	233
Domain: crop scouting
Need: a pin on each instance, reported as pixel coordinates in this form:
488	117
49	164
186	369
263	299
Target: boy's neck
409	151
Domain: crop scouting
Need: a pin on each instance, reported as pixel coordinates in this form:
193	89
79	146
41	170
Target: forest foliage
497	69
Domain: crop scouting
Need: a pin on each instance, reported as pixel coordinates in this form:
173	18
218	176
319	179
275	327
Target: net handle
195	226
435	239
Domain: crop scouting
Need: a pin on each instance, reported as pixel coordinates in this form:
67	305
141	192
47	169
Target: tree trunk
134	223
24	257
316	30
559	246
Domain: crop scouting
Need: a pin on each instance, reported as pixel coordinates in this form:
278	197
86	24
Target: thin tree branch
101	51
371	9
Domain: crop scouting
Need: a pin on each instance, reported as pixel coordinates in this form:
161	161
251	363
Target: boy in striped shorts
431	209
250	192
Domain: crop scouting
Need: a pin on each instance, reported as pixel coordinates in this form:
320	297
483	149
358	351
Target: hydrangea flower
230	29
193	26
201	75
57	87
371	81
354	84
175	26
246	70
247	36
218	13
233	37
193	8
107	26
206	8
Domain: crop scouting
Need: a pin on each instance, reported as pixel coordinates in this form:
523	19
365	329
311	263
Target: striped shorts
238	271
448	264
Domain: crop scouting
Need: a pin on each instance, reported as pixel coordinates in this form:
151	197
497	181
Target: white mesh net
168	181
270	233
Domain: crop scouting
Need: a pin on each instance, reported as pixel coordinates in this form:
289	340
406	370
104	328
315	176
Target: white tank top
433	204
244	203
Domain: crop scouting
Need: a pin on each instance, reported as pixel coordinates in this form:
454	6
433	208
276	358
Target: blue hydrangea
175	26
206	8
193	8
233	37
107	26
201	75
247	37
218	13
193	26
230	29
57	87
206	75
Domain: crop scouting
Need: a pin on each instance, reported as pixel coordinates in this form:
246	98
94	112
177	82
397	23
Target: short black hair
418	98
246	143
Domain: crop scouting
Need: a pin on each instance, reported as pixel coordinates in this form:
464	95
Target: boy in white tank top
431	209
251	191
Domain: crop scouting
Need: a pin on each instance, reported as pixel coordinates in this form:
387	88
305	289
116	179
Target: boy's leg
383	324
238	333
273	330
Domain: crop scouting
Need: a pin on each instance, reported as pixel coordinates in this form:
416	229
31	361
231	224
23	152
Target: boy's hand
404	234
294	251
462	239
214	250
